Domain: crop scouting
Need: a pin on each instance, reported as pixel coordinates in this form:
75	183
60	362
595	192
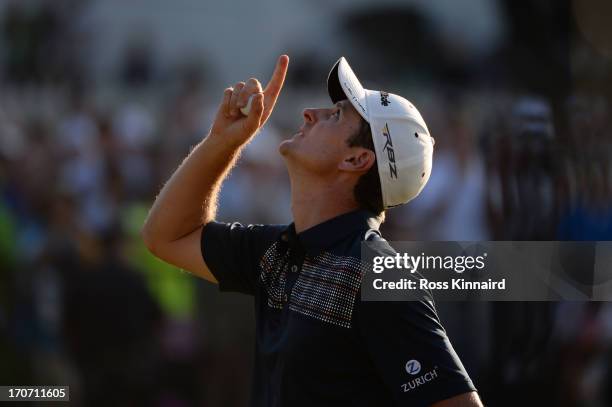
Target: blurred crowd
522	153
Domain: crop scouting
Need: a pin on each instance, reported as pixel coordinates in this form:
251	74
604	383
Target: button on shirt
317	343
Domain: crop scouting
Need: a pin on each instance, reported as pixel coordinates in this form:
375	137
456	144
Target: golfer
317	344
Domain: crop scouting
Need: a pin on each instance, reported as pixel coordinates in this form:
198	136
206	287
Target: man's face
320	146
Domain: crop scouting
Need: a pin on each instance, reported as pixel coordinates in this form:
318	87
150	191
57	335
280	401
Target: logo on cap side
390	152
384	98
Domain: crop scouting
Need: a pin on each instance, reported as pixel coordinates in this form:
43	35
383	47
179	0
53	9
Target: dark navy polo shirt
317	344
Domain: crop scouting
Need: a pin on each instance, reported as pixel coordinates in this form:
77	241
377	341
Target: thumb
253	120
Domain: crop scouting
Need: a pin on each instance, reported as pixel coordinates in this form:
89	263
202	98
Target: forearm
469	399
188	199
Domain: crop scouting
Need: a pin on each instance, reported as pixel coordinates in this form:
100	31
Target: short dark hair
367	191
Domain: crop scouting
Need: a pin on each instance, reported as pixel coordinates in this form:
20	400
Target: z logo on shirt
413	367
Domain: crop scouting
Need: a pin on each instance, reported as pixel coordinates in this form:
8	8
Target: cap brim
342	83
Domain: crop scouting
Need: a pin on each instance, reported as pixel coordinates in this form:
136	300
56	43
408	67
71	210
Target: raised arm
188	200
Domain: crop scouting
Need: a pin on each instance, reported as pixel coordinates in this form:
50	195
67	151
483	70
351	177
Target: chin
285	147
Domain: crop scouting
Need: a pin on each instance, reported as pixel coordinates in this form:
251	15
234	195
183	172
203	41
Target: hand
230	124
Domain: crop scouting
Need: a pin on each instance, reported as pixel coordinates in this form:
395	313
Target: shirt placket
294	266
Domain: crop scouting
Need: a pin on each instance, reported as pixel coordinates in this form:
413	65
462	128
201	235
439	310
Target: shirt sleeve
411	352
232	253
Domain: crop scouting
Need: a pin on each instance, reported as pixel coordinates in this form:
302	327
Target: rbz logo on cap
390	153
413	367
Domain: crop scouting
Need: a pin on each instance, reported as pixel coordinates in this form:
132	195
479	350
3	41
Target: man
317	343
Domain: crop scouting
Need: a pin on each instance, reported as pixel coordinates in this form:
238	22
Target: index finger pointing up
275	85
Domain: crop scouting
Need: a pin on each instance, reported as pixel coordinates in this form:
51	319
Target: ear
359	159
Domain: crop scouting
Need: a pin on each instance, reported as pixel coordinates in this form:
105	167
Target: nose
309	115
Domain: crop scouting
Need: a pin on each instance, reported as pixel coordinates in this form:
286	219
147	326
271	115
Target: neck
316	202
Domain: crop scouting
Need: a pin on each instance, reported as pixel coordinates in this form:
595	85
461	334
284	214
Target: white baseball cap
402	143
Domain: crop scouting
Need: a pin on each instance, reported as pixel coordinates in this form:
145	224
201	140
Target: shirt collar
326	234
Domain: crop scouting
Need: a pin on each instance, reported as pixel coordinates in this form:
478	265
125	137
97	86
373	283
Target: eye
336	114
